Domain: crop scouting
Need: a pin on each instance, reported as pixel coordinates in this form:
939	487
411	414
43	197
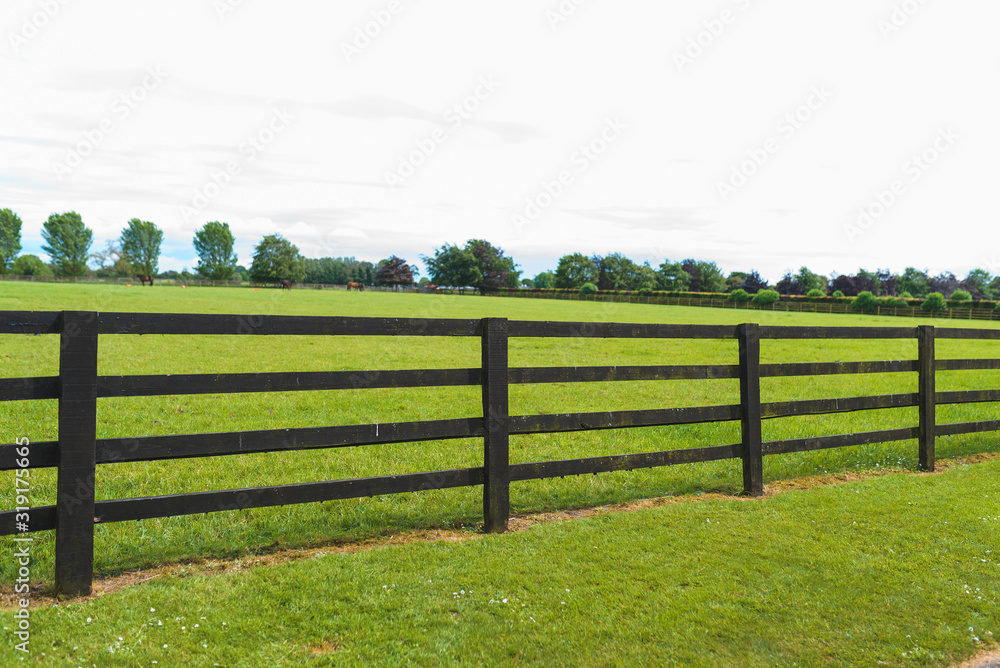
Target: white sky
163	95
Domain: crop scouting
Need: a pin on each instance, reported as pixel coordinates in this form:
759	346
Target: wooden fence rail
77	452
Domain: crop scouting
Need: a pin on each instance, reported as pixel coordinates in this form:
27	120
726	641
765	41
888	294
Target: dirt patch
987	659
519	522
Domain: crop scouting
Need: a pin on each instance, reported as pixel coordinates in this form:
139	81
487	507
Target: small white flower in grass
88	620
152	609
164	645
505	600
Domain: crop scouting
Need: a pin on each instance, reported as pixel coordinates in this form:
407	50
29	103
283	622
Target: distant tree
110	261
815	292
394	271
888	283
276	258
844	285
739	295
753	283
214	245
914	281
866	281
31	265
934	303
140	246
735	280
588	289
765	297
575	270
809	281
865	302
67	243
978	282
10	239
945	283
961	296
705	276
545	279
672	277
453	266
497	269
788	285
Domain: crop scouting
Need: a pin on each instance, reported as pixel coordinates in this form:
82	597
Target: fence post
496	426
74	567
925	395
753	460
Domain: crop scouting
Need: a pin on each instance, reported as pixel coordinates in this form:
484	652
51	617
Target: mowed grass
896	570
132	545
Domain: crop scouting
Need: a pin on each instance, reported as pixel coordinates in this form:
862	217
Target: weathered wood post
496	426
74	567
925	396
750	422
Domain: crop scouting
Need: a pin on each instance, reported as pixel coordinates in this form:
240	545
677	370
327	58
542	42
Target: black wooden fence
78	387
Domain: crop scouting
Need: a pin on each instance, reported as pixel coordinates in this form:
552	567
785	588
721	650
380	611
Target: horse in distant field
145	279
360	287
286	284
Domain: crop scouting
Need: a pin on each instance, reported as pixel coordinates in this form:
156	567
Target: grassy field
136	544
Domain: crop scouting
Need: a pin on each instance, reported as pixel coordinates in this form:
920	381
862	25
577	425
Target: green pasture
133	545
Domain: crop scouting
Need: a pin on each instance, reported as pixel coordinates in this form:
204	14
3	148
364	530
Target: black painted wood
170	505
968	333
496	423
559	422
43	454
965	365
796	332
838	441
40	518
608	330
30	322
74	567
751	409
150	448
927	397
28	389
564	467
840	405
232	383
828	368
966	396
953	428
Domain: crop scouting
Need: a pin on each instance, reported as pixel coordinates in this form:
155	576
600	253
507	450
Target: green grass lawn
895	570
140	544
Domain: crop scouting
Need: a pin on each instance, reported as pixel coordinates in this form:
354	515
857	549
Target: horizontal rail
40	455
796	332
553	469
30	322
827	368
124	510
561	422
290	325
966	365
150	448
28	389
232	383
838	441
587	374
615	330
954	428
42	518
840	405
957	333
966	396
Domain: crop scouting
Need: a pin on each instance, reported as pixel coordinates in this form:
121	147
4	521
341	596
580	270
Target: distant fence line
78	451
191	282
957	312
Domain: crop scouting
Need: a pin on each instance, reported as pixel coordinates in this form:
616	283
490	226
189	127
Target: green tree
705	276
934	303
10	238
979	280
914	281
671	276
809	281
111	263
214	245
31	265
765	297
67	243
574	270
453	266
588	289
140	243
735	280
739	295
276	258
617	272
544	279
497	269
865	302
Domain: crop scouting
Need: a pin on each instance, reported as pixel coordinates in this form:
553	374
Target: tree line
478	264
